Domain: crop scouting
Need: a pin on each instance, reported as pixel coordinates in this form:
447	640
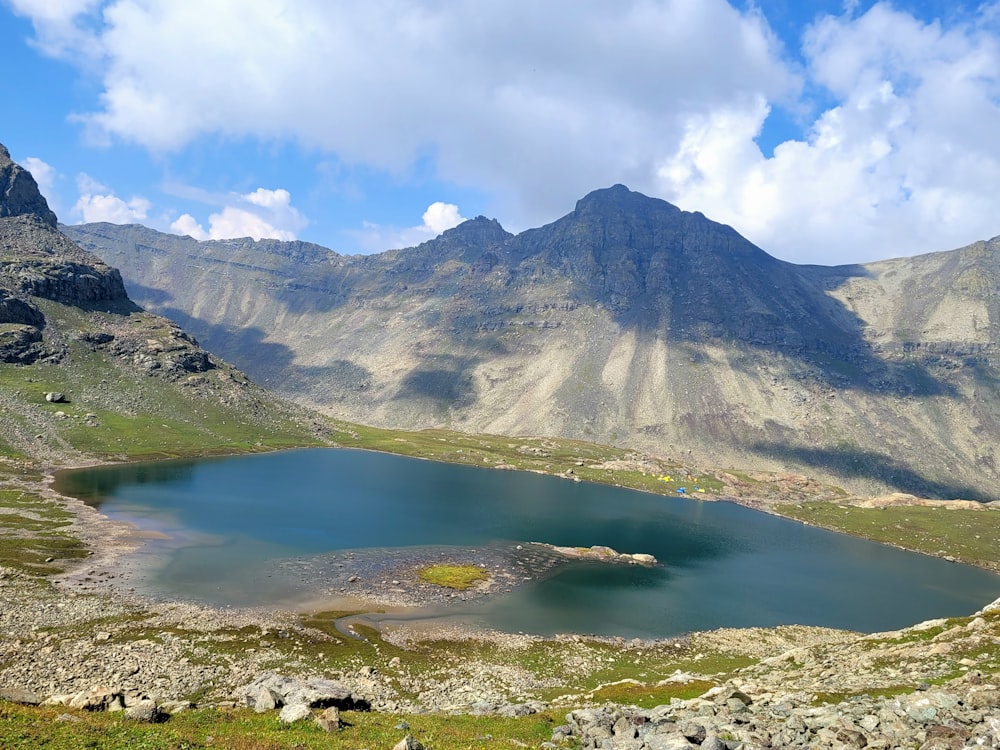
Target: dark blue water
230	519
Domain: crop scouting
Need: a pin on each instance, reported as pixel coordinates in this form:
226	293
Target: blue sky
825	132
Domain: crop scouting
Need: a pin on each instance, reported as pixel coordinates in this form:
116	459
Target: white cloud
262	213
536	104
98	203
906	161
439	217
56	22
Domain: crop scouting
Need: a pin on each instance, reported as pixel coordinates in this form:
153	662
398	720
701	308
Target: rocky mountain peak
478	231
618	200
19	194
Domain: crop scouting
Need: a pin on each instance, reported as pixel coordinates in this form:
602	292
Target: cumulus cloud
439	217
535	104
262	213
904	162
99	203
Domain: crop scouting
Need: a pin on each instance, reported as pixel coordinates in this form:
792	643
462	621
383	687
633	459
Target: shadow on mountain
445	379
859	464
342	374
147	295
264	361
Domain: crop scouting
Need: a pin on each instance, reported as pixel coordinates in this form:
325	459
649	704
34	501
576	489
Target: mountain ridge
627	321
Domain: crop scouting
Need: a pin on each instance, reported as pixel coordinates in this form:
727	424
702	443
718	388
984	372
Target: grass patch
971	536
459	577
24	728
649	696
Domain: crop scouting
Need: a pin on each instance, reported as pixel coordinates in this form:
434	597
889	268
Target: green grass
28	728
459	577
33	535
972	536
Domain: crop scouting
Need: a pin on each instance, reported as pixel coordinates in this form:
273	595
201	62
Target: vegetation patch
971	536
459	577
28	728
649	696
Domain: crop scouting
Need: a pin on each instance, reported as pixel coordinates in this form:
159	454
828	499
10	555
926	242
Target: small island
602	554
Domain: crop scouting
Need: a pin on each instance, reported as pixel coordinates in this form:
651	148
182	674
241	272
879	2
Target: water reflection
721	564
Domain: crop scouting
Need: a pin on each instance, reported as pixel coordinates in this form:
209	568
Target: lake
234	527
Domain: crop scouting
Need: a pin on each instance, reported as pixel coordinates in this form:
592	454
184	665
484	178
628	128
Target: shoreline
382	585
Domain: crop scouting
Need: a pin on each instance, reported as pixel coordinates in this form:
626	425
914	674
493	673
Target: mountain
627	321
85	372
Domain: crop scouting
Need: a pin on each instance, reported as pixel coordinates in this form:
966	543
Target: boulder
329	720
294	712
54	397
146	711
19	695
408	743
270	691
98	698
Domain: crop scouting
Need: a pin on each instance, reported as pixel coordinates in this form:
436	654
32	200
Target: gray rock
54	397
98	698
146	711
329	720
668	742
516	710
20	695
408	743
270	688
294	712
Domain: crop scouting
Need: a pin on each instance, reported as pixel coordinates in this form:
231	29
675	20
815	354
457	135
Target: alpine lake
291	527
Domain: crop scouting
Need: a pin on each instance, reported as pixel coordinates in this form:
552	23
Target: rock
294	712
19	695
175	707
147	711
516	710
693	731
19	193
667	742
54	397
263	699
270	688
98	698
329	720
408	743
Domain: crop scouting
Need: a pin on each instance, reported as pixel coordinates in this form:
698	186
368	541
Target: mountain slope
626	321
85	373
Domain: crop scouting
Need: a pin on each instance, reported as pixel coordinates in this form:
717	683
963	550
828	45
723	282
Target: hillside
626	322
86	374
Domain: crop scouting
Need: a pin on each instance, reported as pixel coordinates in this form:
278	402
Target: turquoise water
232	521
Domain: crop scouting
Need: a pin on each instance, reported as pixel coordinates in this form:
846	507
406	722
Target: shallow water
270	528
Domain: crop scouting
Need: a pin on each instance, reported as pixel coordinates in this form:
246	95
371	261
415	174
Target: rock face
957	717
626	321
19	193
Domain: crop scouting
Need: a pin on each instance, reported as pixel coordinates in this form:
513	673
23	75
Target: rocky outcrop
19	193
269	691
960	715
66	281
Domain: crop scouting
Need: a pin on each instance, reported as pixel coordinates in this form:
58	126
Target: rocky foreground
931	686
